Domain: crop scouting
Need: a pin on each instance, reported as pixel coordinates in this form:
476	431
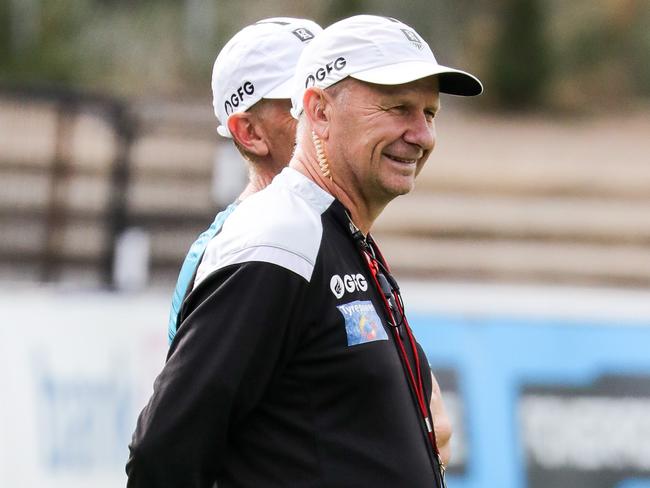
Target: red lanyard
393	305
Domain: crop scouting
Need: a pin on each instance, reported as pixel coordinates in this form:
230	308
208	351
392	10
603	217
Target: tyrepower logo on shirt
348	283
362	323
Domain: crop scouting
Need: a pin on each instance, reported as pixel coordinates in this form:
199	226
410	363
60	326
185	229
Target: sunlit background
524	252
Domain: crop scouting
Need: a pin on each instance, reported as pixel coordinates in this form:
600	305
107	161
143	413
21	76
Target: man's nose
421	132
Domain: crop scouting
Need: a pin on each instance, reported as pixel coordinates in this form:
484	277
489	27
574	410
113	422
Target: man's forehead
424	87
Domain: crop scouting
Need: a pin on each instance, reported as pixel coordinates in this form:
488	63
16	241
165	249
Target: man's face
279	127
381	136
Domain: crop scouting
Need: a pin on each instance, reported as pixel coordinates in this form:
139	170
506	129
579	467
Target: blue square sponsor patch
362	324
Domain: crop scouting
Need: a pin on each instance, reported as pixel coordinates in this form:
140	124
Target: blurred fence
78	170
525	199
529	198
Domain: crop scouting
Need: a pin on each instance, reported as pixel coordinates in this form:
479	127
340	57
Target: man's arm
441	422
240	329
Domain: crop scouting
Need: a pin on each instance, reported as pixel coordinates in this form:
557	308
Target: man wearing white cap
366	95
251	87
295	365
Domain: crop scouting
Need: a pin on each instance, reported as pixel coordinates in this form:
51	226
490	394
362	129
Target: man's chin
399	188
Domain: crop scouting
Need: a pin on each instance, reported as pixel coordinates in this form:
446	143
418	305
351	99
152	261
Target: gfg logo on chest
349	283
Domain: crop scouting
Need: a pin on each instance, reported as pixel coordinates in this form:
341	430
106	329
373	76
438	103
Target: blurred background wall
535	205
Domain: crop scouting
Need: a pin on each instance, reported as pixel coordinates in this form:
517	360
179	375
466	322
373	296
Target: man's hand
441	422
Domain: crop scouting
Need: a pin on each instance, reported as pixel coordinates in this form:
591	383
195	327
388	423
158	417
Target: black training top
283	372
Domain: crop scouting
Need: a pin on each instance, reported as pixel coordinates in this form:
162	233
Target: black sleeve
242	325
425	371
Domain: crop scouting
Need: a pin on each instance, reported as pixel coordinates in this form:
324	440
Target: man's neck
362	214
258	179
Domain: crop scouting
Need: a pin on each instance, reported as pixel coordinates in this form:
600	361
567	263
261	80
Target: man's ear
247	133
317	105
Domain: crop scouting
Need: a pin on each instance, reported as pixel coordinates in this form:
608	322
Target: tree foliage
520	69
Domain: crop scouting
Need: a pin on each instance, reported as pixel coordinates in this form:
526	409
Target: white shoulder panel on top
280	224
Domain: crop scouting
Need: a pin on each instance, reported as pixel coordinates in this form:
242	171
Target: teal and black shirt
190	264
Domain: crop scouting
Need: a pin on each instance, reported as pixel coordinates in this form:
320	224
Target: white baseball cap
258	62
374	49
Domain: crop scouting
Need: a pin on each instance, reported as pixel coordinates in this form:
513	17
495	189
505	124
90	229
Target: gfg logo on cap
233	101
338	64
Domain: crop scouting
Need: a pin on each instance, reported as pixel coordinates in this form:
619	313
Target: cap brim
283	90
222	130
452	81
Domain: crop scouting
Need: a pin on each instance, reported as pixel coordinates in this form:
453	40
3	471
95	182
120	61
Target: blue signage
543	403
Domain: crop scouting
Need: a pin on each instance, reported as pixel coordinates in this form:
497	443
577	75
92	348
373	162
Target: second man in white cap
252	83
